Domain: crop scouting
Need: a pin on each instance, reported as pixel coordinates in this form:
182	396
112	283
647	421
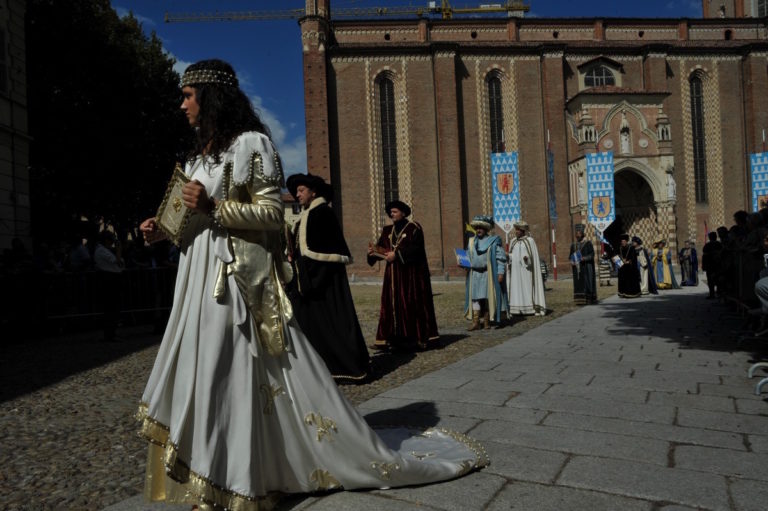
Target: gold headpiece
199	76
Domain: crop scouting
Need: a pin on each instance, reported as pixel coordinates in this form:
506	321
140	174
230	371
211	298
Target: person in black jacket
320	294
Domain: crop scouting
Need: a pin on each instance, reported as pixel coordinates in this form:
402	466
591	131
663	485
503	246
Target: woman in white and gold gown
239	408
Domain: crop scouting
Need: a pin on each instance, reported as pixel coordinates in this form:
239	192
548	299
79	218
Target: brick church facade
412	108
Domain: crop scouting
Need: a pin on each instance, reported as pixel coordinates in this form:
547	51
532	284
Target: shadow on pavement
420	415
687	319
34	364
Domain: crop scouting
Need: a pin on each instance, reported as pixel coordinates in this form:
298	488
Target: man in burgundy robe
407	317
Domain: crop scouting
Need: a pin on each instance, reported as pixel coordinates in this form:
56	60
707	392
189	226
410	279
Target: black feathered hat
402	206
316	183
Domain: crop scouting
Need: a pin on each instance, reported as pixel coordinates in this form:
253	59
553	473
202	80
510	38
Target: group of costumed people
642	271
500	282
240	408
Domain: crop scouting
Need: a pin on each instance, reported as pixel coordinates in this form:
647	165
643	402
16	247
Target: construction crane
444	9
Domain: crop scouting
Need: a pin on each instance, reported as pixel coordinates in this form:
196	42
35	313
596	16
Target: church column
314	36
449	167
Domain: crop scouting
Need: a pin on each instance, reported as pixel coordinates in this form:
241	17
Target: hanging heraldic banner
506	190
172	215
759	168
600	192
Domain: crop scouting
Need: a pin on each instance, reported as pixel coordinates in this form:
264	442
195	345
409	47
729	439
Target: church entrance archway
635	205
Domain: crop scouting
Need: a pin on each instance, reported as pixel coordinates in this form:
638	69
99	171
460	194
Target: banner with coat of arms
600	190
506	190
759	168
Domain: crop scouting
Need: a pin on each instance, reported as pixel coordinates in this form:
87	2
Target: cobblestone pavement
67	435
640	404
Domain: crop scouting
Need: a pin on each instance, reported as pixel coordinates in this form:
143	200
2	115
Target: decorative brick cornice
461	30
353	32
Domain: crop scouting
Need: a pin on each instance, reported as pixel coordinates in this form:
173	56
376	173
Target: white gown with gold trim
233	425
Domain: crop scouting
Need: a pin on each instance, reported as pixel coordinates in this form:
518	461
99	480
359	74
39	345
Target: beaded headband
208	76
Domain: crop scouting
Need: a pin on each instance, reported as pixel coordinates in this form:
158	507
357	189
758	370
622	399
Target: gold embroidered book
173	215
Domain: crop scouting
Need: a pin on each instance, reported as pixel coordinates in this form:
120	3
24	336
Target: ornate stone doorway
635	205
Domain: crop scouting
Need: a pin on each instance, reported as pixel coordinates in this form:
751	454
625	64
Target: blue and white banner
759	167
600	191
506	189
551	185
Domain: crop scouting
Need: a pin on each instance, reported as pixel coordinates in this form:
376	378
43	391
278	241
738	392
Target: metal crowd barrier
38	302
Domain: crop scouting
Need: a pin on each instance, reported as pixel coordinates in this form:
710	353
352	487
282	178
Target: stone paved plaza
636	404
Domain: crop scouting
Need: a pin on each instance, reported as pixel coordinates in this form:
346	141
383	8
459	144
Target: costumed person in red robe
320	295
407	317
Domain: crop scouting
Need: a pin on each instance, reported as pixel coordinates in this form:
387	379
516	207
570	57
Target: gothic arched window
599	75
388	138
697	132
495	114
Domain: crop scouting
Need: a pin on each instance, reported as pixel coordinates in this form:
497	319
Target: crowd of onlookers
734	261
76	251
96	268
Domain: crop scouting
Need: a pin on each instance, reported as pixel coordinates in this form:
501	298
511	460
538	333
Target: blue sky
267	54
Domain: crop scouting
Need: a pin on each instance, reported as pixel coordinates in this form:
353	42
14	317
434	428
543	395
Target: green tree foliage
104	115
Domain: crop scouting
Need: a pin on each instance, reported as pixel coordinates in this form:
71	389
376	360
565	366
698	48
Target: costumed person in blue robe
662	264
582	258
485	294
689	265
647	280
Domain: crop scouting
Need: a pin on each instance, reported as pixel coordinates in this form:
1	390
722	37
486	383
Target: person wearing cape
582	258
485	292
525	285
320	295
239	409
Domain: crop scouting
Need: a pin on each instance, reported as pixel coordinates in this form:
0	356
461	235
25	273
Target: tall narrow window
496	116
388	138
699	150
762	8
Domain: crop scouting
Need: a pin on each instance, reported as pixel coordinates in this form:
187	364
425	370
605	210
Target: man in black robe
629	275
320	295
582	259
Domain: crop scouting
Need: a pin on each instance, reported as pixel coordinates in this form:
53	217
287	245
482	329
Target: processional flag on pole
506	190
600	191
759	167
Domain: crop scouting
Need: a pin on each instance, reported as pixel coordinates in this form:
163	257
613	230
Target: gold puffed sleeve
252	188
252	213
262	212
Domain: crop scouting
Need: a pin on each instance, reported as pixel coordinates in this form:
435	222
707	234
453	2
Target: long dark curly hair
225	112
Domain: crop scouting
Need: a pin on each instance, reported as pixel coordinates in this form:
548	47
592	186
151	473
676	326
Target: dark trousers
711	280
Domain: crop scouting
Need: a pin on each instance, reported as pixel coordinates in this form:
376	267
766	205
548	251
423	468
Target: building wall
440	68
14	132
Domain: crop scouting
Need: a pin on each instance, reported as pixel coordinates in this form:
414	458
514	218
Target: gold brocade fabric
253	215
168	479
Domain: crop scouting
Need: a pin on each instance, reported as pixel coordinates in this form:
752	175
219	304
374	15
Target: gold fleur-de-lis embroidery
385	469
421	456
270	393
176	204
325	425
324	480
